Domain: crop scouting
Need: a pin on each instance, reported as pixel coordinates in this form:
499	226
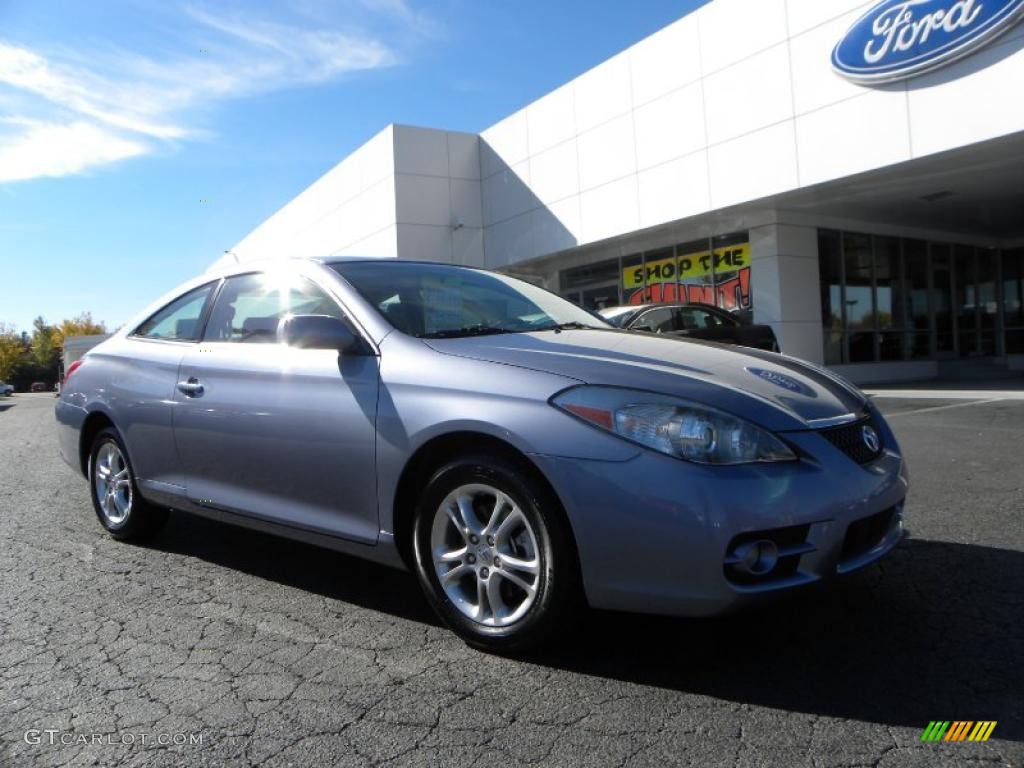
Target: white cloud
42	149
66	112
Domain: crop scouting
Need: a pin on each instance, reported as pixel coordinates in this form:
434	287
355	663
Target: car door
140	391
275	432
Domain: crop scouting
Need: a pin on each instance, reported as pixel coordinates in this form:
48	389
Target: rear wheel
115	497
494	554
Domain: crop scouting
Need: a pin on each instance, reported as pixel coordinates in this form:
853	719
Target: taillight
71	369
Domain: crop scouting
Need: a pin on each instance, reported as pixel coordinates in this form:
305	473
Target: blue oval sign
898	39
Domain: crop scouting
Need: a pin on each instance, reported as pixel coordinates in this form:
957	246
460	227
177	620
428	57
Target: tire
504	539
124	513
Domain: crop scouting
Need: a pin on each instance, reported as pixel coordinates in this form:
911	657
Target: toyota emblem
870	438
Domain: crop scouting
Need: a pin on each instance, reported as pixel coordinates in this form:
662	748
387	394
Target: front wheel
115	497
494	554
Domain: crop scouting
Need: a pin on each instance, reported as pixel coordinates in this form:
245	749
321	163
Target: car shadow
932	632
295	564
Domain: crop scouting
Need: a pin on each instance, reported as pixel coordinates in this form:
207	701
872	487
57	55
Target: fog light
757	557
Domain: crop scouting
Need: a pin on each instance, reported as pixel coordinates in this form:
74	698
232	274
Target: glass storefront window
890	299
831	274
1013	300
696	272
732	271
859	298
631	278
942	301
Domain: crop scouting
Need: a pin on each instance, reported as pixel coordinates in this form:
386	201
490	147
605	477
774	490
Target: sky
140	140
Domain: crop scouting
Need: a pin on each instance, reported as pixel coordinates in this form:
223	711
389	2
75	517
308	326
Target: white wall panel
986	101
869	131
603	93
815	85
465	205
376	158
509	241
423	200
674	190
670	127
607	152
504	144
468	246
382	244
609	210
806	14
507	194
421	150
753	166
555	227
463	155
732	30
554	173
750	95
665	61
551	119
425	243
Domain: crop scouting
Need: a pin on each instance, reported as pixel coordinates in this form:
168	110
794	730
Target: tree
12	349
44	348
80	325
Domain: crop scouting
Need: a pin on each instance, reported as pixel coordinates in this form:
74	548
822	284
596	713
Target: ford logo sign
898	39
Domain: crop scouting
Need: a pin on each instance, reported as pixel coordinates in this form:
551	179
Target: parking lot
277	653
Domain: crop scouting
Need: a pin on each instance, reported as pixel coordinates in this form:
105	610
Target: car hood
777	392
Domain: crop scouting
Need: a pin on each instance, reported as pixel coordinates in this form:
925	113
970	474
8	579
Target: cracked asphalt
280	654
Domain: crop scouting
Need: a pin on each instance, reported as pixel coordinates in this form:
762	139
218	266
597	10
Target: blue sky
118	118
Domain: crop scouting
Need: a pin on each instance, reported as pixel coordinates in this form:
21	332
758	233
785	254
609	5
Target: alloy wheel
485	555
113	483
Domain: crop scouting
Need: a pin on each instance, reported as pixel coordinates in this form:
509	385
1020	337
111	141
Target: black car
695	321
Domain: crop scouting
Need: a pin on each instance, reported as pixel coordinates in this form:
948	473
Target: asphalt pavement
242	649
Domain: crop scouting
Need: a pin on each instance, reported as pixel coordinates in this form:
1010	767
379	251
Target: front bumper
659	535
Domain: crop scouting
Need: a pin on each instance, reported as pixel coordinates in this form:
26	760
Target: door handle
191	387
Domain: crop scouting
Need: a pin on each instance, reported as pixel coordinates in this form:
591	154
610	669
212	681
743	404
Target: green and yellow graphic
958	730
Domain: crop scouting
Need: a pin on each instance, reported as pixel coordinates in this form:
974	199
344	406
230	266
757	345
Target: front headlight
676	427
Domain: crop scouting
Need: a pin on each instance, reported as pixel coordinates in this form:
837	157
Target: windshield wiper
454	333
573	326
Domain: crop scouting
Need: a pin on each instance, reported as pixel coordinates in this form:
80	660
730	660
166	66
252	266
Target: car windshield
441	301
617	315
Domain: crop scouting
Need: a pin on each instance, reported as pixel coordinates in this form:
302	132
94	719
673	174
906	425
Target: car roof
672	305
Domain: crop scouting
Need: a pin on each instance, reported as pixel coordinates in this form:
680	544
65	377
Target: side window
249	307
657	320
179	320
694	319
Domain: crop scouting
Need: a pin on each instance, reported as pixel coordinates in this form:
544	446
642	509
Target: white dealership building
853	171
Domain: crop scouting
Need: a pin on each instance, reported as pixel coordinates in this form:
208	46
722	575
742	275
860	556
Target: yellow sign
688	266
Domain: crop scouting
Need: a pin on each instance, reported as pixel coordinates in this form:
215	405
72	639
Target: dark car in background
695	321
39	386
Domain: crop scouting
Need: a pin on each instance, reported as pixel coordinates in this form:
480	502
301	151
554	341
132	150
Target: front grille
849	438
864	535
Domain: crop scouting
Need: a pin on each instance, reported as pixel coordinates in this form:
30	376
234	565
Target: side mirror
315	332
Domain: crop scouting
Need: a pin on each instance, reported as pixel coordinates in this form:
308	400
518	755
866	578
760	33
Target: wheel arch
94	423
438	451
